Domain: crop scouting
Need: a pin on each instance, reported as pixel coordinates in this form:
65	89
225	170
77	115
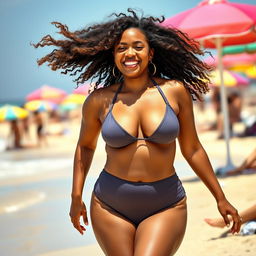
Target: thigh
161	234
114	234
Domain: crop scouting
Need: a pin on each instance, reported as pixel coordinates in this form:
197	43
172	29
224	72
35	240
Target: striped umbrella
248	70
218	23
10	112
40	105
47	93
231	79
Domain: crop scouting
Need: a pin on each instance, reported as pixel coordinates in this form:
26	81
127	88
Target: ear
151	53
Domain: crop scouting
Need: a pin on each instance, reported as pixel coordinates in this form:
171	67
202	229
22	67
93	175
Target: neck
137	84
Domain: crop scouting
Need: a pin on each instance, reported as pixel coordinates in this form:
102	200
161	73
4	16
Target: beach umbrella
249	48
47	93
231	79
67	106
74	98
86	88
232	60
248	70
83	89
251	72
218	23
11	112
40	105
233	23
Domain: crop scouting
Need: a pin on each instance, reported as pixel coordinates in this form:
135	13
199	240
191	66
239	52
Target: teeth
131	63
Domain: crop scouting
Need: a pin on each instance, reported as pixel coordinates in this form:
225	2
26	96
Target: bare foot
218	222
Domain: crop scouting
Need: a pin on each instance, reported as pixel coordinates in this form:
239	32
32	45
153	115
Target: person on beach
247	166
40	128
15	134
149	73
247	215
234	99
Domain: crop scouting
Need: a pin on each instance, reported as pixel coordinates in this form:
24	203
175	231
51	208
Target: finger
85	219
84	214
226	220
237	221
77	226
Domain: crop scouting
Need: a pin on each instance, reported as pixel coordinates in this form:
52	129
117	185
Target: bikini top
116	137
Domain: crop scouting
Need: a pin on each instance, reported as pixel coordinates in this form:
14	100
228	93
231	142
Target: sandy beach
35	186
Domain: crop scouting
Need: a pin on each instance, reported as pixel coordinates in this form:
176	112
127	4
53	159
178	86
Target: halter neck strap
117	92
160	91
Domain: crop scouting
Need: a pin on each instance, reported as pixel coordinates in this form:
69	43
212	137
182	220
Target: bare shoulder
99	98
175	88
99	95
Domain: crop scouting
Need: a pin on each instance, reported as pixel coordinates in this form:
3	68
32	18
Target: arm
197	158
86	145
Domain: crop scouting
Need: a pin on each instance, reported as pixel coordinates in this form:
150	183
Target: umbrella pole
224	108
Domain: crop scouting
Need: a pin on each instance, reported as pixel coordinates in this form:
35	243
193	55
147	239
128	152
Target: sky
26	21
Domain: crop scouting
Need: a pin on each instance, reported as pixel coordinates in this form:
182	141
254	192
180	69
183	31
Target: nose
130	52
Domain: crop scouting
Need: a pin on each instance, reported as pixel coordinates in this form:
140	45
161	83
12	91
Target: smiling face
132	53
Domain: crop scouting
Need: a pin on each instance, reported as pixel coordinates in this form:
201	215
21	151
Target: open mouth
131	64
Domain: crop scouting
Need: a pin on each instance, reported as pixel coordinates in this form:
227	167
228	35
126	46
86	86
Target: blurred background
40	113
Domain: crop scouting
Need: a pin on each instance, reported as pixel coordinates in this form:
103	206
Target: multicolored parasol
231	79
40	105
218	23
47	93
10	112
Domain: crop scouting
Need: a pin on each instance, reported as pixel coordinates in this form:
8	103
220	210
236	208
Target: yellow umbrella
231	79
10	112
251	72
74	98
248	70
39	105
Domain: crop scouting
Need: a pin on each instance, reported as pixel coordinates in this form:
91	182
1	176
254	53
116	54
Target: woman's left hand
225	209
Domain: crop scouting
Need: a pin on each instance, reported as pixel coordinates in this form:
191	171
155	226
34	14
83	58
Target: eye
138	48
121	48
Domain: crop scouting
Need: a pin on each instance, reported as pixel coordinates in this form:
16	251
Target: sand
200	239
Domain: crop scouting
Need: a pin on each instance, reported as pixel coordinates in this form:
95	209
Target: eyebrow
136	42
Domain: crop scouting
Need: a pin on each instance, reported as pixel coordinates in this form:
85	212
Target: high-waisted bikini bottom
136	201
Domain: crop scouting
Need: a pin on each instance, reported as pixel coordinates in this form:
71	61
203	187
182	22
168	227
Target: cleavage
141	121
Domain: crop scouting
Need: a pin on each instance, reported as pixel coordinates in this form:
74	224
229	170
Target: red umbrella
216	23
47	93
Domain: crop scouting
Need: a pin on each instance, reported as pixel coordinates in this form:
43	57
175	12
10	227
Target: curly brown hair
89	52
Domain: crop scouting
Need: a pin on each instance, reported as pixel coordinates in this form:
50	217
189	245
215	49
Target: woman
138	206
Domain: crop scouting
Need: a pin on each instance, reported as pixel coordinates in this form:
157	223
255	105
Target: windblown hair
88	53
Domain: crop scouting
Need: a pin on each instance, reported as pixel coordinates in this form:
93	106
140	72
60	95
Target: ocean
15	102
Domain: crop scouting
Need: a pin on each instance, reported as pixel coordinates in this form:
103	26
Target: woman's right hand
78	209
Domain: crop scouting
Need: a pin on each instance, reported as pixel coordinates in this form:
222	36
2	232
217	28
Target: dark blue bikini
115	136
136	201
